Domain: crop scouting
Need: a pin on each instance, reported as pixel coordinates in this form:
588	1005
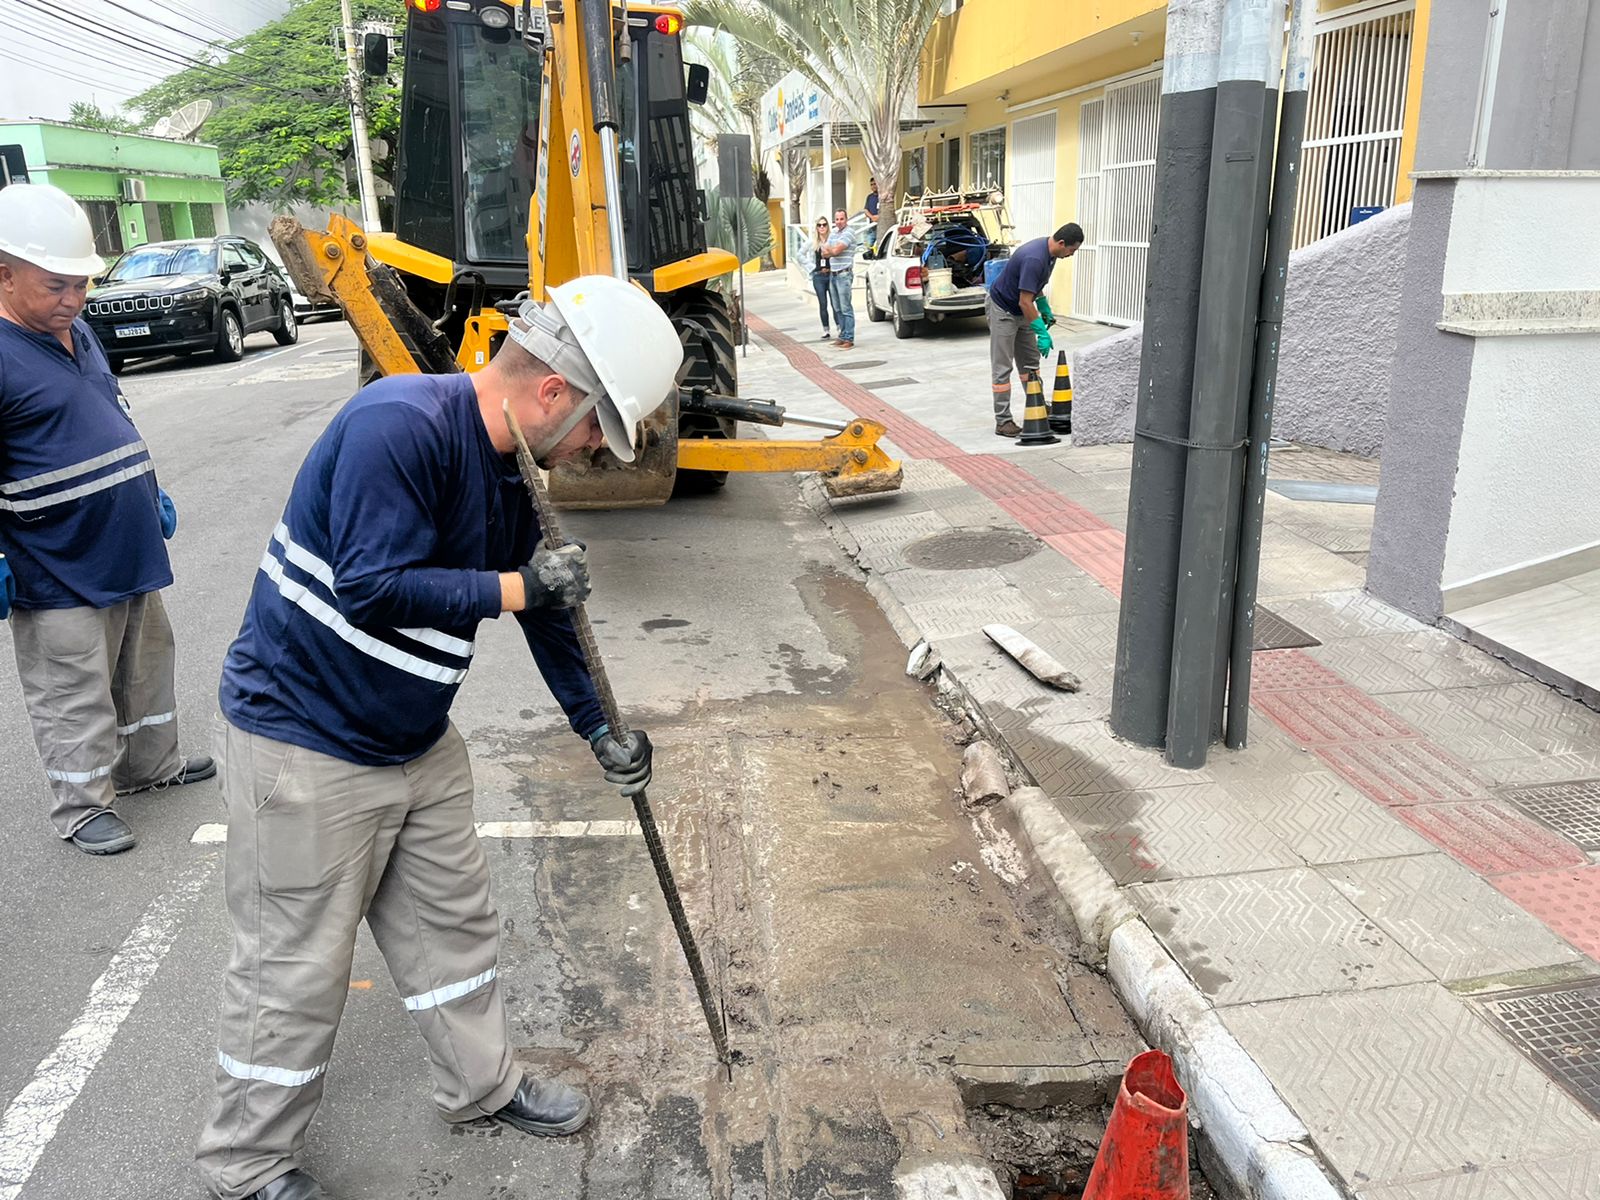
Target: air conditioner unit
133	191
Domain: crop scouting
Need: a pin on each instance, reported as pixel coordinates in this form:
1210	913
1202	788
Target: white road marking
215	834
31	1119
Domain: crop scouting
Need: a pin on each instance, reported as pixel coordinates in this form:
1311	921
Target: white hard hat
43	225
611	341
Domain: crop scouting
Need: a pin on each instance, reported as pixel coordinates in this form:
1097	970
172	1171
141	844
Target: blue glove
169	514
8	588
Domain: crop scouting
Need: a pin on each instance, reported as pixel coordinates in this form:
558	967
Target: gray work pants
1010	340
314	844
97	683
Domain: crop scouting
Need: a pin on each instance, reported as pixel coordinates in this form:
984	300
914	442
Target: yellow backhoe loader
541	140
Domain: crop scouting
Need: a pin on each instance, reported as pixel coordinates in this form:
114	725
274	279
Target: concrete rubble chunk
1079	1071
1035	661
983	775
923	662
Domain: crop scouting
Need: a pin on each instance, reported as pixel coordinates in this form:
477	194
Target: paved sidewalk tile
1348	613
1536	716
1174	833
1330	716
1566	900
1325	820
1403	771
1270	935
1380	1078
1563	1178
1450	920
1491	838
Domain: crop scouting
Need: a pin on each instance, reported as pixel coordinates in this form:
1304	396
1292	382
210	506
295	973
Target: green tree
862	53
91	116
281	121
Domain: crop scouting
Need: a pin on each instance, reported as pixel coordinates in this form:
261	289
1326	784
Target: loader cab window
425	199
498	90
658	179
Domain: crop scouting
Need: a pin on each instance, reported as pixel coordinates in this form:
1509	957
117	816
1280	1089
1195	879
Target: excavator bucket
604	481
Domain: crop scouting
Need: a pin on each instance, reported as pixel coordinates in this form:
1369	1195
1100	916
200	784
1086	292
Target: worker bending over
348	791
1020	317
82	525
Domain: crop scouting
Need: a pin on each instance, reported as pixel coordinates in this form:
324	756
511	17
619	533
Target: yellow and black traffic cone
1061	397
1035	417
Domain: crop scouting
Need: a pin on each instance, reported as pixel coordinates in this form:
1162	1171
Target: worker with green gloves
1020	317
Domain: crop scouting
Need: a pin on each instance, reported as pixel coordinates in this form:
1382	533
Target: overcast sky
48	59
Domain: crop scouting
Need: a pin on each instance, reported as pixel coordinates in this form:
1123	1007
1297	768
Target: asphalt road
804	787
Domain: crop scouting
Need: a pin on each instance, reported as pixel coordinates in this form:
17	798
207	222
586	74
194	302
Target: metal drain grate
1559	1029
1274	633
1572	808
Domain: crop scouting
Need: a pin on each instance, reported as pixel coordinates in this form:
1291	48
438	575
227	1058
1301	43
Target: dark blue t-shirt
1027	270
78	517
360	626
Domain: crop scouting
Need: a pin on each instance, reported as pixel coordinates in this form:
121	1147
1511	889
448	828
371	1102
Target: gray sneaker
1008	429
104	833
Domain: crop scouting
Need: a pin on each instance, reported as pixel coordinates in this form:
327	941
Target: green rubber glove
1042	334
1045	310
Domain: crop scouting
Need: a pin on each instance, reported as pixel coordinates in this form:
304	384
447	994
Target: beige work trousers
97	683
314	845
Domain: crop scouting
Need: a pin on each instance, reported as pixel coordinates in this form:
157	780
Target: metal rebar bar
608	703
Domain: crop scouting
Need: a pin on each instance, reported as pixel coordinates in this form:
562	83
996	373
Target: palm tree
862	53
739	78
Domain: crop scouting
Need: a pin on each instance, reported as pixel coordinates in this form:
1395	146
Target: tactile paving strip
1572	808
1274	633
1559	1029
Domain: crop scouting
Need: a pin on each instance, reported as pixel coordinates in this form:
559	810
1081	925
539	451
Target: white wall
1527	484
1527	233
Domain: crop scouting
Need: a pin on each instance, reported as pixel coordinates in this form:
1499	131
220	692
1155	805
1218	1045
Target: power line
59	72
195	18
151	75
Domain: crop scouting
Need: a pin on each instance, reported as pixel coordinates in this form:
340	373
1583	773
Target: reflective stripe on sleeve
277	1075
305	600
450	991
158	719
82	490
83	468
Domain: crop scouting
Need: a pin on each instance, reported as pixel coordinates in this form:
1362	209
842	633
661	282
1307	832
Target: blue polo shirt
361	623
78	516
1027	270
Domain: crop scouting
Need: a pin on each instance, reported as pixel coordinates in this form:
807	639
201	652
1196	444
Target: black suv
201	294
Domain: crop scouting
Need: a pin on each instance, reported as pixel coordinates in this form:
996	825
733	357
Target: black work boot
1007	429
192	768
292	1185
104	833
546	1107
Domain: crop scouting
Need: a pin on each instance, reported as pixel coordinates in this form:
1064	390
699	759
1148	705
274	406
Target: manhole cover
1274	633
1560	1030
969	549
873	385
1569	808
860	364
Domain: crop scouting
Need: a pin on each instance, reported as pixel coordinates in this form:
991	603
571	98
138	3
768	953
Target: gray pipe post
1252	35
1166	370
1263	385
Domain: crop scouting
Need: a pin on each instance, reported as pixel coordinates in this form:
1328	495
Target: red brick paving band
1367	745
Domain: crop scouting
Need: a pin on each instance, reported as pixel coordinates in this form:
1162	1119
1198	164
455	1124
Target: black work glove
556	578
626	761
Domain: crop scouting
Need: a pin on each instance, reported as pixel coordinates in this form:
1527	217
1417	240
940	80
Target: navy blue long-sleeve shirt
361	623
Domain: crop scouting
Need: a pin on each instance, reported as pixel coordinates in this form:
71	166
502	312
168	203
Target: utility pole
1166	371
1263	385
365	183
1230	289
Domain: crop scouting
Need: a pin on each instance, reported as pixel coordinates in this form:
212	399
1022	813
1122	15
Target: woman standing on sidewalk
821	275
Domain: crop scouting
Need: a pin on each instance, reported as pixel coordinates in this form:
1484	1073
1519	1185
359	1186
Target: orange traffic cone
1061	397
1145	1153
1035	416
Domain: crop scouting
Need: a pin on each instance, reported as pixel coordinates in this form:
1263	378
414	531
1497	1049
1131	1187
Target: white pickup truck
932	260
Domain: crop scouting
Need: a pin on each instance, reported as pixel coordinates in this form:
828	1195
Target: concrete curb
1261	1147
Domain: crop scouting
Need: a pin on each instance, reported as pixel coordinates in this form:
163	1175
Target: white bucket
940	284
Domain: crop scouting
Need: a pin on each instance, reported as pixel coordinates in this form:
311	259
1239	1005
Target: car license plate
133	331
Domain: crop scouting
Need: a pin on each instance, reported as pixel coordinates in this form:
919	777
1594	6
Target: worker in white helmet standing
348	791
82	526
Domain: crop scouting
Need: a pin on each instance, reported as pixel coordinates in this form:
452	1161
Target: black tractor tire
287	332
712	364
230	337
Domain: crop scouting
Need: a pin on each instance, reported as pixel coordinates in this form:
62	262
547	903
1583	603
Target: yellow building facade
1058	103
